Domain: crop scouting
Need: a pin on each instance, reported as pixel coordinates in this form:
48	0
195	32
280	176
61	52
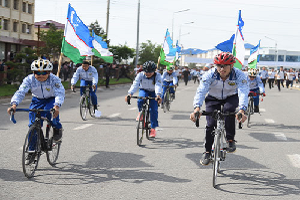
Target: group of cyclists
222	85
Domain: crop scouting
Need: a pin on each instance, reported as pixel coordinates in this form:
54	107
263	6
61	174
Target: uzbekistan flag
77	42
167	52
227	45
239	44
254	57
100	49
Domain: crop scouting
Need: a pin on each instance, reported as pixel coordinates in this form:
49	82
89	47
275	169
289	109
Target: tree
148	51
53	39
121	52
97	29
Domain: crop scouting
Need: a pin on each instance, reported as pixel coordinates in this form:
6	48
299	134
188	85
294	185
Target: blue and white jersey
255	84
141	81
52	87
170	77
272	75
90	75
263	74
212	84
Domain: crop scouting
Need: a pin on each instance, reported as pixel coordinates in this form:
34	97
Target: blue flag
227	45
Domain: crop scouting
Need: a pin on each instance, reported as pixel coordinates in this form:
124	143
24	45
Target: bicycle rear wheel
140	128
31	152
52	147
216	161
83	107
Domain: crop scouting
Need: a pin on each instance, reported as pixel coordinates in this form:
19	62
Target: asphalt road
99	158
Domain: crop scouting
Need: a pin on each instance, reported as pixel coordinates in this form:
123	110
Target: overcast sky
214	20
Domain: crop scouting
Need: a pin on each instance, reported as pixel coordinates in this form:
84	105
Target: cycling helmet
252	72
149	66
224	58
41	65
169	68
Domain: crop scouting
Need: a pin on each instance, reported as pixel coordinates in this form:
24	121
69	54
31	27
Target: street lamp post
182	47
138	34
180	31
275	47
173	20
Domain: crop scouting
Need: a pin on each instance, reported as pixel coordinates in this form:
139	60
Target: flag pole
158	61
92	56
59	64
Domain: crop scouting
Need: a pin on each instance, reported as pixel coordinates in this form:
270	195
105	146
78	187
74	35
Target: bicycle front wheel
83	107
140	128
250	111
216	161
52	148
91	108
166	102
31	152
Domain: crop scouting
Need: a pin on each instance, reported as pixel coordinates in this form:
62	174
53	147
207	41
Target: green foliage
97	29
53	39
192	65
121	52
149	51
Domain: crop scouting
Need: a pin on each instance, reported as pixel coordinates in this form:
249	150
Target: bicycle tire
216	161
91	108
147	125
53	148
83	107
165	102
140	129
168	100
30	164
250	111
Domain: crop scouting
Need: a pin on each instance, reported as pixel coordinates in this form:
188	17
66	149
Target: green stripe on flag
71	52
253	64
108	59
163	58
237	63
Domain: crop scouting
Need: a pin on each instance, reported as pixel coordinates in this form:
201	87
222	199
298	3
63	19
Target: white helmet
41	65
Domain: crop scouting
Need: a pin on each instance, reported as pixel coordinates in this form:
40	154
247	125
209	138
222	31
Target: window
24	7
29	29
5	24
23	28
30	8
292	58
15	27
280	57
268	57
6	3
16	4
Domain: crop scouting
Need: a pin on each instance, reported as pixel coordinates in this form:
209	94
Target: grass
9	90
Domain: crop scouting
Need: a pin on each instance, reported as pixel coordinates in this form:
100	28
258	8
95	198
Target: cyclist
88	76
169	78
150	84
255	85
225	86
47	92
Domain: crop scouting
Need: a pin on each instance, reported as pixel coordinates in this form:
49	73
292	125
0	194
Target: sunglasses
222	66
40	73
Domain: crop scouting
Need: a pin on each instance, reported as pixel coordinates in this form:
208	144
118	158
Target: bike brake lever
12	116
197	119
128	100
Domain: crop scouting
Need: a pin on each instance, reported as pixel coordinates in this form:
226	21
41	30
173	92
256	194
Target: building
45	25
17	21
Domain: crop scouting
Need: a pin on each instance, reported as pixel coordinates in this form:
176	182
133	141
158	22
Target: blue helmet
149	66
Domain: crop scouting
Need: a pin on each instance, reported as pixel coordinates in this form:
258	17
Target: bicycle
36	143
144	125
250	109
168	98
219	145
85	103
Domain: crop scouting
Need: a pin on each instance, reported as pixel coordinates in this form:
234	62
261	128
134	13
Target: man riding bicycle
169	78
255	85
88	77
225	86
150	84
47	92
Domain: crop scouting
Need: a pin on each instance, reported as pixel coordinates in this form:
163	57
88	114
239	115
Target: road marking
295	160
270	121
114	115
280	136
262	110
134	108
83	127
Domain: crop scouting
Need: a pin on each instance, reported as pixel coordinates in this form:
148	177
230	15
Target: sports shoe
138	117
152	133
206	158
57	134
30	158
231	148
256	109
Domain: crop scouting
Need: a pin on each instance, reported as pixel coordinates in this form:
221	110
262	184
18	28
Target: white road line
270	121
114	115
262	110
280	136
134	108
83	127
295	160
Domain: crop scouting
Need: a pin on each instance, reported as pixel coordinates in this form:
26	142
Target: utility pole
137	37
107	19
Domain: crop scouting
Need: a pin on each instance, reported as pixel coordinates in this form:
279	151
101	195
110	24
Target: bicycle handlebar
138	97
87	86
12	116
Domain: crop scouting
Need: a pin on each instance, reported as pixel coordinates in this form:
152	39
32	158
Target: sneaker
231	148
152	133
30	158
256	109
138	117
206	158
57	134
